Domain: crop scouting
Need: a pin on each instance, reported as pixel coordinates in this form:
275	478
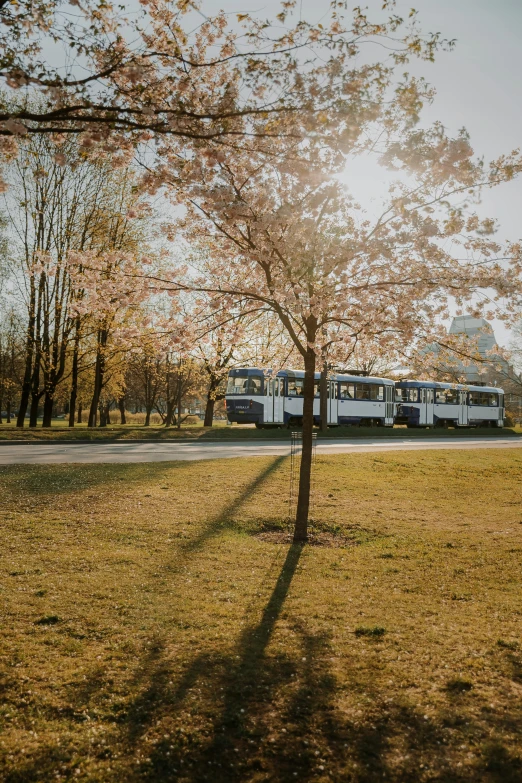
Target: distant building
473	327
481	329
494	370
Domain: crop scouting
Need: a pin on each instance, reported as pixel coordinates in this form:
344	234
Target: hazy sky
479	85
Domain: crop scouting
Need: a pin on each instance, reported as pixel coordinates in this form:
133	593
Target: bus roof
440	385
300	374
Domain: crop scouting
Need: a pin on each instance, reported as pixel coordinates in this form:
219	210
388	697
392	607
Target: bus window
452	396
346	391
362	391
245	384
295	387
406	395
479	398
376	392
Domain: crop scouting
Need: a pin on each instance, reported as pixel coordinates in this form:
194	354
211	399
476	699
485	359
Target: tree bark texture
35	393
305	473
323	397
74	378
121	408
47	414
29	350
169	416
209	410
99	373
105	416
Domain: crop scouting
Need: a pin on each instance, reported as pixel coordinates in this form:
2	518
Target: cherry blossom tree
289	236
204	83
172	69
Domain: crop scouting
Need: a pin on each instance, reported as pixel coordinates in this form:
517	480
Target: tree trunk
305	473
26	391
35	396
121	407
323	397
47	410
147	415
209	410
33	411
1	406
8	411
74	376
180	399
29	350
99	373
170	413
80	410
105	414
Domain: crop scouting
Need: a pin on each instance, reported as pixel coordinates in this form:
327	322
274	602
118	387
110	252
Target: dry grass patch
150	634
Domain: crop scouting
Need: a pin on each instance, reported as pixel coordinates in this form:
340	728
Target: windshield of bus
245	384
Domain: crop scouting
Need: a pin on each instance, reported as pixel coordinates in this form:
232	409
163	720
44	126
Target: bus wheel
258	426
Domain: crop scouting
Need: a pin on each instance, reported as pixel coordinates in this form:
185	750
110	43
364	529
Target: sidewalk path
55	453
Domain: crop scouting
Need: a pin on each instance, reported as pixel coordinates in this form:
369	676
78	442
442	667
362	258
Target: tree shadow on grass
274	716
226	519
48	481
249	684
259	713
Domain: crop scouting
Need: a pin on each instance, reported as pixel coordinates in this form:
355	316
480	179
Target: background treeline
83	334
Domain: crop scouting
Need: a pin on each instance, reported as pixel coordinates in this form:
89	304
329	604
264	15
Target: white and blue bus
267	400
433	404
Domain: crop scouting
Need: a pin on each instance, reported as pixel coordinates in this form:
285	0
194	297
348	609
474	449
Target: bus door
463	408
430	398
389	411
268	408
278	400
423	407
333	416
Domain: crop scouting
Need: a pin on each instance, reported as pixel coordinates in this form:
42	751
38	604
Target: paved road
53	453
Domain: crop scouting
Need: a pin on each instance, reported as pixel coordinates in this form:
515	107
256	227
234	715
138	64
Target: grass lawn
220	431
152	631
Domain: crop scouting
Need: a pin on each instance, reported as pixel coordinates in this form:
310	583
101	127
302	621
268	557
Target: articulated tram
266	400
431	404
254	398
